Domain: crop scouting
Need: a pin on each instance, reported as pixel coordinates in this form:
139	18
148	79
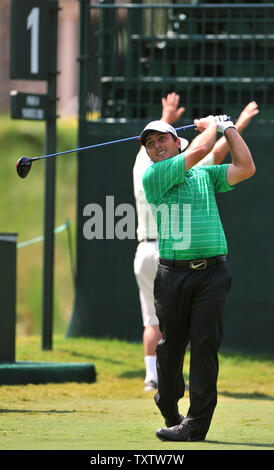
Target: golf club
23	165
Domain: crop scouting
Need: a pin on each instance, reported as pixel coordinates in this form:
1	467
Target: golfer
193	276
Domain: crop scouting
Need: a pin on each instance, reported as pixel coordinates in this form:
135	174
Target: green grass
115	414
22	212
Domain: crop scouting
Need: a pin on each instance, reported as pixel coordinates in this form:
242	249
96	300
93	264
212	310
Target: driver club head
23	166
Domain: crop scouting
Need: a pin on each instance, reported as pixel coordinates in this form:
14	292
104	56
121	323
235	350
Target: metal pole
48	247
49	201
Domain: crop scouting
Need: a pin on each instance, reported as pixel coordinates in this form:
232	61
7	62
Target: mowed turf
114	413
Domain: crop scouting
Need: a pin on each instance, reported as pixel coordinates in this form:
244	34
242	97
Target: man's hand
204	123
171	113
223	123
246	115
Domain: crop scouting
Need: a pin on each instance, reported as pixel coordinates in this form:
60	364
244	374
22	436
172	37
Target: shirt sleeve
160	177
218	175
208	160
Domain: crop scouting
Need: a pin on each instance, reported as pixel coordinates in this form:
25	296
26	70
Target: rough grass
115	414
22	212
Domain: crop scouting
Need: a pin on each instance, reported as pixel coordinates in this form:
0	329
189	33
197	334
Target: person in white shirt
147	254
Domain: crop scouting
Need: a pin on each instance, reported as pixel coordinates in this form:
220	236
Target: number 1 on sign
33	25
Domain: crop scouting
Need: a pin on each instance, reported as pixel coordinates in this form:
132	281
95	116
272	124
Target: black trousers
189	305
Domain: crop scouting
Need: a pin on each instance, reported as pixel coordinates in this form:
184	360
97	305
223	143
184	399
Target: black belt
193	264
148	240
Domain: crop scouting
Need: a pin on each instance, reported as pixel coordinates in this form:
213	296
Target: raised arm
242	166
221	148
203	143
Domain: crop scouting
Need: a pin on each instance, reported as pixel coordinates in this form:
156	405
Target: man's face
161	146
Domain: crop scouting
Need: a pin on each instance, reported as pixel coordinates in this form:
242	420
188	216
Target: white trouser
145	268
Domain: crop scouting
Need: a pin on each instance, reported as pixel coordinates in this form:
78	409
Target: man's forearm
197	151
241	155
206	139
221	148
242	166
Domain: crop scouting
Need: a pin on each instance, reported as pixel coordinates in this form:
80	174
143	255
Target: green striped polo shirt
184	207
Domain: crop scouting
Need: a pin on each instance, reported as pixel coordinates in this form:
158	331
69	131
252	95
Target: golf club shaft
100	145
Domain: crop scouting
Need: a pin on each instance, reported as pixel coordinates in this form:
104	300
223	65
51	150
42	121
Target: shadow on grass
133	374
36	411
245	396
248	444
246	355
92	357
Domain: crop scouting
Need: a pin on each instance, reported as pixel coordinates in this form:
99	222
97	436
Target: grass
22	212
115	414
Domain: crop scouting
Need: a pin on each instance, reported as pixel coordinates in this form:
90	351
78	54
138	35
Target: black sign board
31	28
29	106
